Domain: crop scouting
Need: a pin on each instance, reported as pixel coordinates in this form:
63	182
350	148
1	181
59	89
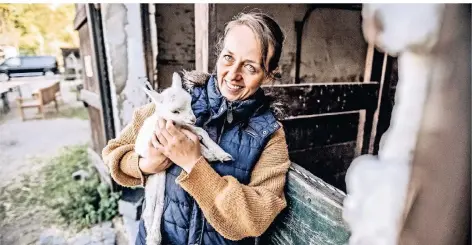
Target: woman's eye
251	68
175	112
227	58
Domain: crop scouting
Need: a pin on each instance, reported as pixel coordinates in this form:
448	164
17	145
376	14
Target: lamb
174	104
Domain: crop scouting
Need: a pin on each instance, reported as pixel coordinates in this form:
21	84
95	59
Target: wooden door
91	92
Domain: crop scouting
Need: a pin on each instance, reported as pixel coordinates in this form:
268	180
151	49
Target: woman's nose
233	73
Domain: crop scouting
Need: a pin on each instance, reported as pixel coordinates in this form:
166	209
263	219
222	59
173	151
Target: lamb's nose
193	120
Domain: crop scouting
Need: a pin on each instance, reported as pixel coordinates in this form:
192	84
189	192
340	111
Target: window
29	61
13	62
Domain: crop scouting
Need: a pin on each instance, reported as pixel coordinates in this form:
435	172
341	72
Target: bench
313	214
41	98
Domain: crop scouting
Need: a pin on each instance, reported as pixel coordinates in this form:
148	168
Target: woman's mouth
231	87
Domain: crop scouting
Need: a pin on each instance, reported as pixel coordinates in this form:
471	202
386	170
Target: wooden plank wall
326	125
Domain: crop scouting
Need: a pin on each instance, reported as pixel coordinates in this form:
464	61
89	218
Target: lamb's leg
150	199
208	154
212	147
154	235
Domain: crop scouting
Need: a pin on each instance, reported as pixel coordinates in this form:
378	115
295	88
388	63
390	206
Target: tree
38	28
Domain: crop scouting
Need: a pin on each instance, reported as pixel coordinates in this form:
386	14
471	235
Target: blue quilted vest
242	129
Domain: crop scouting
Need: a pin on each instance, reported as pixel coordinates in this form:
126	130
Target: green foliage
82	202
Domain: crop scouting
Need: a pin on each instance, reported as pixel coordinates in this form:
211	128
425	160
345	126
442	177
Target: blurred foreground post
440	210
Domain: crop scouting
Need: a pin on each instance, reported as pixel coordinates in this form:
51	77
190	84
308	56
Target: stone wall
125	59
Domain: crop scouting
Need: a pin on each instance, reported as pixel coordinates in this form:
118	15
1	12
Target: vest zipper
203	229
221	133
229	118
229	113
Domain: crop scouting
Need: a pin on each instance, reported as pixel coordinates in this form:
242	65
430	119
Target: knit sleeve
119	155
235	210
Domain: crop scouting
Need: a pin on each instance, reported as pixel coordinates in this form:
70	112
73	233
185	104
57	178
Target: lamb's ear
176	80
155	96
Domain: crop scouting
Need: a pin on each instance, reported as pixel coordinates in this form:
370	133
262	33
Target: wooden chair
40	99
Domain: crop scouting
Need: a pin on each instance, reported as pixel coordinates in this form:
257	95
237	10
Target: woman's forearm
235	210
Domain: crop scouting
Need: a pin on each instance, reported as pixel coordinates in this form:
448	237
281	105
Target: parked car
28	66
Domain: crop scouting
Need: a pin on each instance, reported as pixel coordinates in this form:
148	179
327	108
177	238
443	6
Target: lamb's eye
175	112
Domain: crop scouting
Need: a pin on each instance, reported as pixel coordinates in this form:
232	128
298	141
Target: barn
336	93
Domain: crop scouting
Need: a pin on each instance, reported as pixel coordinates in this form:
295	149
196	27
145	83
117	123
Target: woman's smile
233	88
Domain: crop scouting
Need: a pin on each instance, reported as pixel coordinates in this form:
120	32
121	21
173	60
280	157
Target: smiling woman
245	63
219	202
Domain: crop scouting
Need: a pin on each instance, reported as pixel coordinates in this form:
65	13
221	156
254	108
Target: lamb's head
395	28
174	103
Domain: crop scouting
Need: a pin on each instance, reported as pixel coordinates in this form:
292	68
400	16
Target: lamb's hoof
226	157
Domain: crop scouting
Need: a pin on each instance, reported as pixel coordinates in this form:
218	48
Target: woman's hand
155	161
180	145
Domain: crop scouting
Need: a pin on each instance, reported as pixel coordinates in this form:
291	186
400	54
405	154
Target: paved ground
20	141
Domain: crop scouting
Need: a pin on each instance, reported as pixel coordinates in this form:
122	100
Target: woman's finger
161	123
167	164
155	143
172	129
193	137
162	139
165	134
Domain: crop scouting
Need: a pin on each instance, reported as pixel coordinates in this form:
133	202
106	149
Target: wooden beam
440	186
317	98
205	36
369	59
360	133
201	36
377	110
147	20
212	37
318	130
80	15
91	98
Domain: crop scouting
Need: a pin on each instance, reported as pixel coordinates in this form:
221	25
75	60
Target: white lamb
174	104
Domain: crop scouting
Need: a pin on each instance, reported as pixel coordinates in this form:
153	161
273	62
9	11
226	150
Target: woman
218	203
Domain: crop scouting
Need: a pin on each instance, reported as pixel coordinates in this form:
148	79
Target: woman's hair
267	31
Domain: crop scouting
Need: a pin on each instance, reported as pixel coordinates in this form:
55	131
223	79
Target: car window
13	62
28	61
47	60
43	61
35	61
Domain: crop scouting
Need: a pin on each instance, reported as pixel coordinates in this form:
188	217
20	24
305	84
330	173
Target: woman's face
239	68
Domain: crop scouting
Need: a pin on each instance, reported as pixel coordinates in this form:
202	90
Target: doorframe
96	29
